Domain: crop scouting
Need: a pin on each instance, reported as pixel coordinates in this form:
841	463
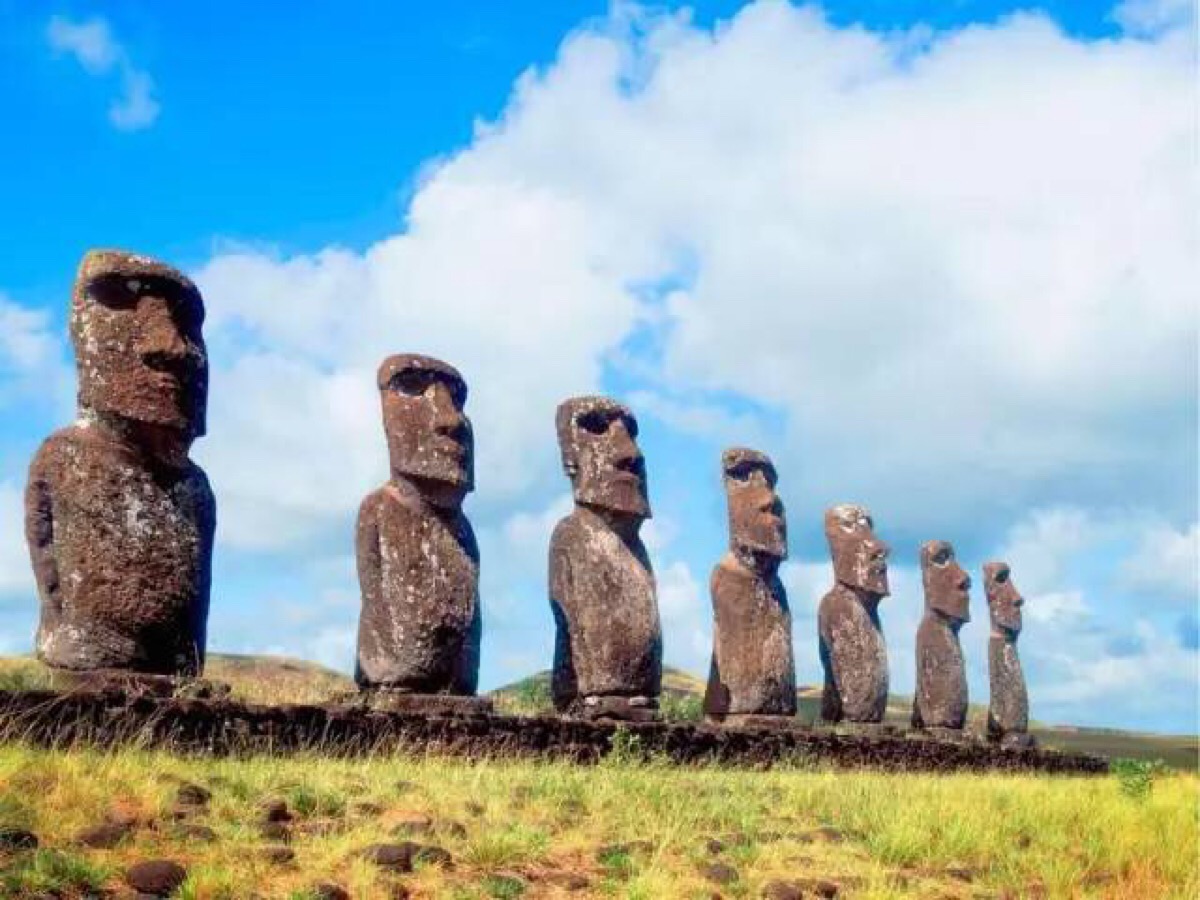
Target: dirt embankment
222	727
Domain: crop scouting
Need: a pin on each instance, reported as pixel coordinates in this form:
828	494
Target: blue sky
934	258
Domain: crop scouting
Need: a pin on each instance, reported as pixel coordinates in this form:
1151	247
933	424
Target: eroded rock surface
752	671
940	701
608	644
118	519
852	648
418	562
1008	708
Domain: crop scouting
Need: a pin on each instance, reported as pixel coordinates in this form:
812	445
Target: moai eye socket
942	556
593	422
114	293
410	382
1001	576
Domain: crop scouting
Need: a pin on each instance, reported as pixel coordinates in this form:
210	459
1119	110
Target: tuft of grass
1136	776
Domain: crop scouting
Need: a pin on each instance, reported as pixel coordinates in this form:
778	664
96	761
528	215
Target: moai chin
118	519
752	678
1008	709
608	644
418	563
940	703
852	649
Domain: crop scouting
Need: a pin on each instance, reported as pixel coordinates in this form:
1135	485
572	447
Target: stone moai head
598	440
1003	599
757	526
135	326
946	583
428	436
859	557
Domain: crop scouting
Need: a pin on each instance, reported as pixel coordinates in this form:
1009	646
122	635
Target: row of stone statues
120	527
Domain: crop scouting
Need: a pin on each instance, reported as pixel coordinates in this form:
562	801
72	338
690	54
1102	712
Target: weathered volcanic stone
852	648
119	521
1008	709
752	671
608	647
418	563
157	877
941	696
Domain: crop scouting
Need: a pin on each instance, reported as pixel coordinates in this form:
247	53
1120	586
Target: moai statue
752	679
1008	711
940	704
608	646
418	563
119	520
852	649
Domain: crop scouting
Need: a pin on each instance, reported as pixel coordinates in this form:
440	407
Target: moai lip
1008	707
118	519
851	643
940	702
608	642
752	677
418	562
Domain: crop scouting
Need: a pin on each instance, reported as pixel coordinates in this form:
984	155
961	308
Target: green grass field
528	829
551	829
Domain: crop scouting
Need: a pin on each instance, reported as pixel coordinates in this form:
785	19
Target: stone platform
219	726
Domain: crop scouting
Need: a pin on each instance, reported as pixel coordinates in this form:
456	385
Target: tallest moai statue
119	520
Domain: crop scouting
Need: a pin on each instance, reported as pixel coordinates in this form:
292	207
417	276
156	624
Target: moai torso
1008	708
419	572
608	642
119	521
752	672
852	649
941	695
602	593
418	563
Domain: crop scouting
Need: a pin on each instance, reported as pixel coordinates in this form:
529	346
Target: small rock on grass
782	890
475	809
17	839
192	795
326	891
401	857
276	810
104	836
157	877
719	873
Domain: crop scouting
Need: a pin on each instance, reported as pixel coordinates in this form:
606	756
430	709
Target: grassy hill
683	692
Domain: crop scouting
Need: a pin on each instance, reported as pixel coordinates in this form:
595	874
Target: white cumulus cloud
93	45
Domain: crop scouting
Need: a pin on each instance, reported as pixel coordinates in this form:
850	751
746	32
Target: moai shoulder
118	519
1008	706
418	562
940	702
608	641
752	677
852	649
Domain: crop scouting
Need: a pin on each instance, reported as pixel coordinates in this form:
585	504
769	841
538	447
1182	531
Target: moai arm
206	515
39	534
370	572
563	683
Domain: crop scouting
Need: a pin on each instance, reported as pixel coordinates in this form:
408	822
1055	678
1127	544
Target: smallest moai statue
940	704
752	679
418	563
1008	711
